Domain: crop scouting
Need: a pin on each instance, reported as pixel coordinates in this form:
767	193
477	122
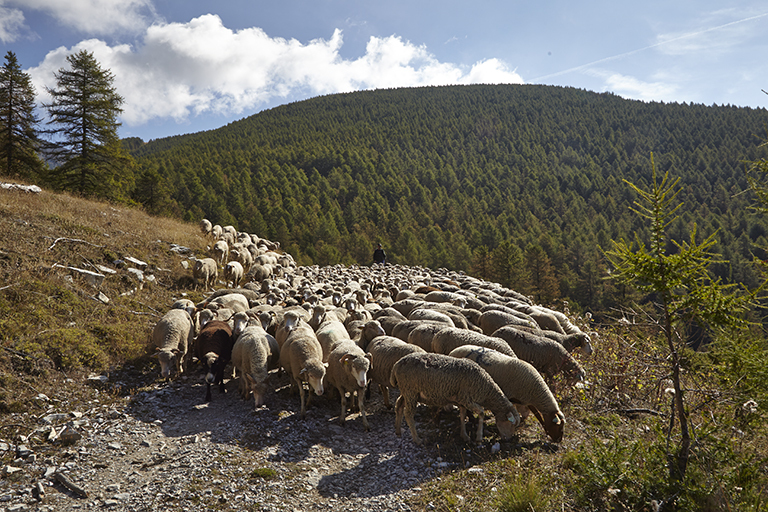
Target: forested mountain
519	183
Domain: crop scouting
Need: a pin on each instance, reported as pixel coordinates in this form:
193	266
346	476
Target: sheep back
448	339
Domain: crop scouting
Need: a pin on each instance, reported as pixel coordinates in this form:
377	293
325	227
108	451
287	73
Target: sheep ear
345	359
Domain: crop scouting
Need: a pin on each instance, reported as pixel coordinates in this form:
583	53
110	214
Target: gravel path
164	448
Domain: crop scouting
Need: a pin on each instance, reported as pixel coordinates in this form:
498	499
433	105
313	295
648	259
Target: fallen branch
144	313
63	239
640	411
69	484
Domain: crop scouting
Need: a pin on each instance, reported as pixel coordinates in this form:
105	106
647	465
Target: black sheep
214	349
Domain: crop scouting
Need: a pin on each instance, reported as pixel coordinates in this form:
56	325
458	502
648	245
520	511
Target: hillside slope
439	173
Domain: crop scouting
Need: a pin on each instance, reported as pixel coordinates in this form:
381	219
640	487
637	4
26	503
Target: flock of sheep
441	338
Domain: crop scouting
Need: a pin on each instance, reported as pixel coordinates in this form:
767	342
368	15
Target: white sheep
522	384
347	371
331	333
220	251
445	340
548	356
423	335
205	227
302	358
233	273
251	356
173	336
205	270
493	319
440	380
385	352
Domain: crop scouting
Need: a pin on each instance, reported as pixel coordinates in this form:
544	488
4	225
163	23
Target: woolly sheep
213	347
205	270
371	329
205	227
173	336
440	380
403	329
216	231
423	335
235	301
302	358
233	273
331	333
521	383
445	340
547	356
347	370
251	356
385	352
220	251
493	319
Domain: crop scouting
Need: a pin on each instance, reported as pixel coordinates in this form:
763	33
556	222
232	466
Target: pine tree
84	107
19	136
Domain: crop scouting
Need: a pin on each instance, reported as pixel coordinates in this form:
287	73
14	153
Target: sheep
173	336
235	301
542	316
220	251
348	366
385	352
493	319
547	356
578	341
440	380
403	329
233	273
251	356
423	334
302	358
521	383
242	256
186	305
213	347
331	333
448	339
216	231
370	330
205	227
205	270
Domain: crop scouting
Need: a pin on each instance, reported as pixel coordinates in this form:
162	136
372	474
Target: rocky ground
163	448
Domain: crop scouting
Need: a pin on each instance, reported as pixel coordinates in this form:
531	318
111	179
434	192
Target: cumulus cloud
11	24
185	69
95	17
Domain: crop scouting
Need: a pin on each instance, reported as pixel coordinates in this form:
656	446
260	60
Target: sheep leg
385	393
462	422
361	406
409	412
303	404
399	404
343	415
207	391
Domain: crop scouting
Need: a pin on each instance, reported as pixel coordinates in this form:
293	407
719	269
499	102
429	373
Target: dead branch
73	240
69	484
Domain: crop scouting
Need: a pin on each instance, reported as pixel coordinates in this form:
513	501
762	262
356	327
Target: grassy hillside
613	456
454	176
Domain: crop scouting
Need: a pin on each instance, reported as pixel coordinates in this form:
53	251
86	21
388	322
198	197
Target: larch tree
86	149
20	141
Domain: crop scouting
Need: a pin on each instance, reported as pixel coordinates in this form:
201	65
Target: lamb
302	358
348	366
522	384
547	356
385	352
213	347
423	335
205	270
444	341
173	336
251	356
233	273
439	380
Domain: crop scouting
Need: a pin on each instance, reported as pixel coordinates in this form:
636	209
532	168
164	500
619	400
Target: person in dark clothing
379	256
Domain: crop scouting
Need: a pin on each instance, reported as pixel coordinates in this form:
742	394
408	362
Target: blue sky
184	66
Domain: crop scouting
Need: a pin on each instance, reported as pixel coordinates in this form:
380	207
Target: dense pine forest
521	184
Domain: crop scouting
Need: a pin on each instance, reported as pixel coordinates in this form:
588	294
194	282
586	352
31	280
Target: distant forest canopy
522	184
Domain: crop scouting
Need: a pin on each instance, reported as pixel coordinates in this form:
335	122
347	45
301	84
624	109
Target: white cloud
185	69
11	24
631	87
94	17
